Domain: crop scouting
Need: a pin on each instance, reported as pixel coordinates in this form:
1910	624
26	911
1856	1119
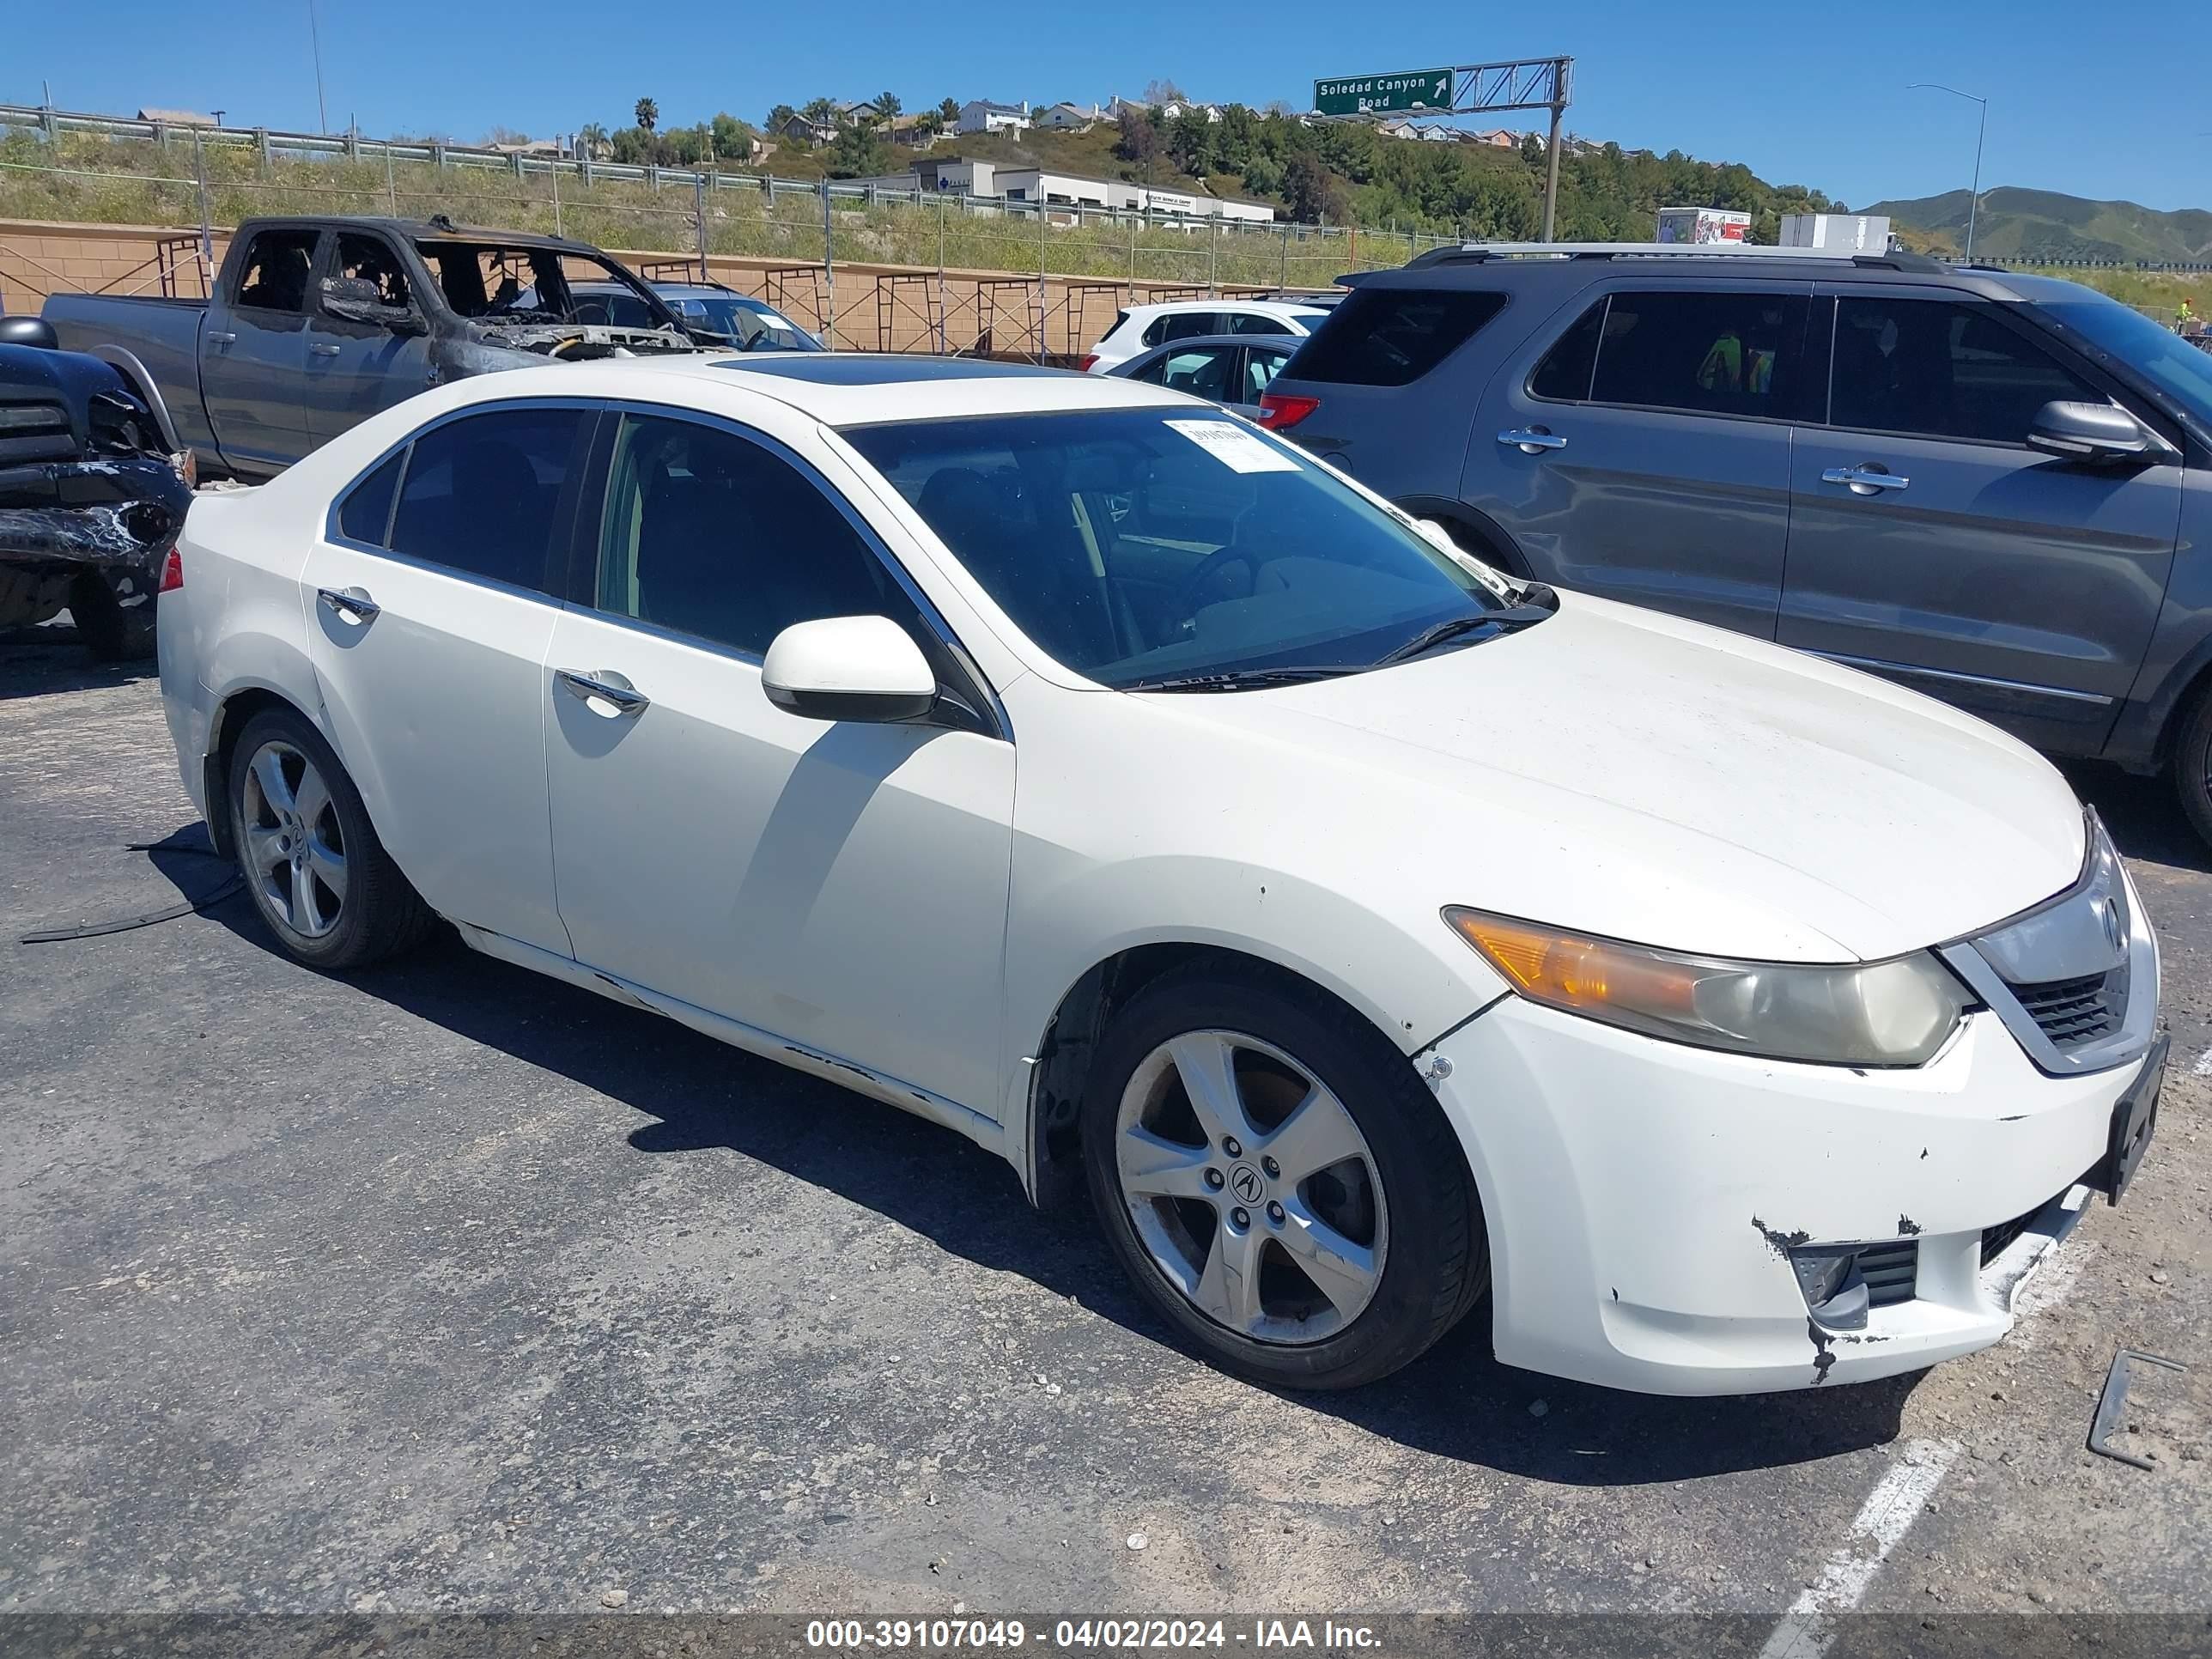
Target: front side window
274	277
710	534
1709	353
1939	370
1143	546
482	494
1201	371
370	259
1183	326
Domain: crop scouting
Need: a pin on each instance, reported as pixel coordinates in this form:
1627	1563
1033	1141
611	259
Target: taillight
1089	358
1281	409
172	572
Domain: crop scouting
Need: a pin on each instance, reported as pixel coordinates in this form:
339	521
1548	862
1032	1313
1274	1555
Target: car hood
1621	772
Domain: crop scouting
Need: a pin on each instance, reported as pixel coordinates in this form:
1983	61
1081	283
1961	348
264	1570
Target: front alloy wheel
1277	1178
1251	1188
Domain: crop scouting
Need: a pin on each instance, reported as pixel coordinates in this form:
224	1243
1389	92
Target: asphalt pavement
446	1286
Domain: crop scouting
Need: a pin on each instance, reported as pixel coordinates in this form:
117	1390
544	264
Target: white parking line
1887	1515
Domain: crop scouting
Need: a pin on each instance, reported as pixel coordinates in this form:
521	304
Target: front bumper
1642	1196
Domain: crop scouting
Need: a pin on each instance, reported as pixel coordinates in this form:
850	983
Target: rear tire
310	858
114	627
2191	764
1356	1249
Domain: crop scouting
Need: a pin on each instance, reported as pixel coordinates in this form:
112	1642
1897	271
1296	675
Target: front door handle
350	605
607	687
1531	439
1865	480
324	350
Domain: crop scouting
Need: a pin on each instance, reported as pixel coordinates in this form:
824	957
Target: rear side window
365	515
274	277
1182	325
1711	353
482	494
1392	336
1256	322
1564	374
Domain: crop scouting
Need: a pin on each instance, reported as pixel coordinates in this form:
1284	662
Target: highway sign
1401	89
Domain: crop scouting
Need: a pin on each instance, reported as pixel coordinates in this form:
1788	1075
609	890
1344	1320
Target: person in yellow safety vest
1722	367
2188	316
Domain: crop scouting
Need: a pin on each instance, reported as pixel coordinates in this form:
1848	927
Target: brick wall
877	307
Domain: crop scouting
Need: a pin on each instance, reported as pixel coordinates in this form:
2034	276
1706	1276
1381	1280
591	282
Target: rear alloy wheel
310	860
1278	1181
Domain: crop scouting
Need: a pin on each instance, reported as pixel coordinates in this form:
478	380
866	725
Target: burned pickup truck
93	491
319	322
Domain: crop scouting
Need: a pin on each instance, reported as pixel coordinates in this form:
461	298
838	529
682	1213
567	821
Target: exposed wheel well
1473	532
231	719
1063	1064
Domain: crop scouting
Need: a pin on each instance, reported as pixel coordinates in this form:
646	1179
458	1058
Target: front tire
1276	1179
309	855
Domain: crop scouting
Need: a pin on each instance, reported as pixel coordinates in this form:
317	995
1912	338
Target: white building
1070	117
982	115
1072	191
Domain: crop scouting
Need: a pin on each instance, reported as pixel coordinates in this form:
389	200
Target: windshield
753	325
2182	369
490	284
1141	545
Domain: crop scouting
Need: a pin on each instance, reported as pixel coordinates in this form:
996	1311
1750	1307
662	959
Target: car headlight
1876	1013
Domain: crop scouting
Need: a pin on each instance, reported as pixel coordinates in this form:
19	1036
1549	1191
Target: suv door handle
1865	480
1532	440
324	350
605	686
353	603
220	336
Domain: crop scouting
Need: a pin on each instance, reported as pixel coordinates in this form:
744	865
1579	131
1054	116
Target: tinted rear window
1392	336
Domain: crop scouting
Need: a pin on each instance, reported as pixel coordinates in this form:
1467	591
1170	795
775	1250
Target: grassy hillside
2043	224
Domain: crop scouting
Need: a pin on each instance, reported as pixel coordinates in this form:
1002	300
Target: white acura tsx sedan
1089	771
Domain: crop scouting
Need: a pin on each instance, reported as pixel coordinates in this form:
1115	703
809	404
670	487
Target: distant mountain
2042	224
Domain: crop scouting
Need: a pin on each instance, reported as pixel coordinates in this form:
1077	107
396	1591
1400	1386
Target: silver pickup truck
319	322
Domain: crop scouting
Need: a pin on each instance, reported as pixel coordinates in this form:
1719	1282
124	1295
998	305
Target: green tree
950	109
1315	194
779	115
857	152
591	140
888	105
820	111
1139	141
649	115
733	139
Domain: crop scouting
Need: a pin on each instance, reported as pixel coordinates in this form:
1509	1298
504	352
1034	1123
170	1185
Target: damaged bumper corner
106	513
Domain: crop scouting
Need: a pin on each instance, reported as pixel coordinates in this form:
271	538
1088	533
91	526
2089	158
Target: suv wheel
317	874
1279	1183
2192	763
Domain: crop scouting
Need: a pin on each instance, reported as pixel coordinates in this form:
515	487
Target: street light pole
1974	201
315	35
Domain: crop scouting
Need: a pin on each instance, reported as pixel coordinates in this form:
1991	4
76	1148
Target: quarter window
1941	370
711	534
1711	353
483	493
365	515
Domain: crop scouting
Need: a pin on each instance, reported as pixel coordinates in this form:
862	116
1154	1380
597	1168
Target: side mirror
357	299
29	332
848	668
2092	432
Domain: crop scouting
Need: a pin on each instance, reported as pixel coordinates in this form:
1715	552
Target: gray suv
1995	488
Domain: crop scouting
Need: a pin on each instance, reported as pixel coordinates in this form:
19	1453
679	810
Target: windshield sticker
1234	448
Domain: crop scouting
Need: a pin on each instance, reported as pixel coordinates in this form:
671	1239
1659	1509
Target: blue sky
1814	94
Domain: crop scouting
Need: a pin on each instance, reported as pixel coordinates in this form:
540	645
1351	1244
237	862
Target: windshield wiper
1505	621
1236	679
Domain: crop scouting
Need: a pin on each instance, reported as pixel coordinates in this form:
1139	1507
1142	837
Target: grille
35	432
1890	1271
1995	1240
2070	1012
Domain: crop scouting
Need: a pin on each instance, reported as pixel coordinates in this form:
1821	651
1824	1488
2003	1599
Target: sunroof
861	368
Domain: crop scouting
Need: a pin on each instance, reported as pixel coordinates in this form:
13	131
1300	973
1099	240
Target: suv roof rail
1476	252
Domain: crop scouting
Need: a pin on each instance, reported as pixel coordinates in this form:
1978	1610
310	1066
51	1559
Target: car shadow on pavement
50	659
698	1095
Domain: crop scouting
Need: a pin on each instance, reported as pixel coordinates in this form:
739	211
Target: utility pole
315	36
828	273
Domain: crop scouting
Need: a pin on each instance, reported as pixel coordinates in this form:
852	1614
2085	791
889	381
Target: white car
1074	765
1140	328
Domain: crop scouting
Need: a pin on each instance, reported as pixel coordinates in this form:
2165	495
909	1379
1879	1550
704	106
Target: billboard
1703	225
1380	94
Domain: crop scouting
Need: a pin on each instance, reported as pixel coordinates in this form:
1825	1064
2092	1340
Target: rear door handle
605	687
1865	480
222	336
1531	440
324	350
353	603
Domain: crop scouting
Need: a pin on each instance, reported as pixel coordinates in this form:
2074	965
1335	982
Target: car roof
422	230
1279	306
841	388
1471	268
